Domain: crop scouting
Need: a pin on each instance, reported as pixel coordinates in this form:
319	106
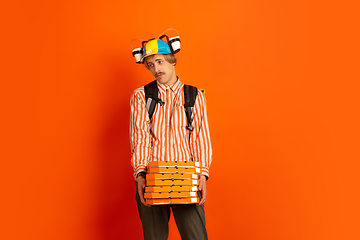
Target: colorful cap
154	47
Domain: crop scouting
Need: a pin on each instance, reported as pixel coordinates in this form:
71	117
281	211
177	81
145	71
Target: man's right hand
141	181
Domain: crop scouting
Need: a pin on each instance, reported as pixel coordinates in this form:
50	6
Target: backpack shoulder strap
190	94
152	97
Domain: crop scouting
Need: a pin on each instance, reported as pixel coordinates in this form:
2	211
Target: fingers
202	202
141	190
141	195
203	197
142	199
202	189
203	193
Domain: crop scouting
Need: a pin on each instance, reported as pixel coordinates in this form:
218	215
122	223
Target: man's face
163	71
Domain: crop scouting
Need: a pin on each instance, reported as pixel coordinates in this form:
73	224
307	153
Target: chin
162	81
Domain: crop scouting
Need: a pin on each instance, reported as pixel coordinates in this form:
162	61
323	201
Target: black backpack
152	98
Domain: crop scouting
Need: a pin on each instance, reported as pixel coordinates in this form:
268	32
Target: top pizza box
181	170
175	164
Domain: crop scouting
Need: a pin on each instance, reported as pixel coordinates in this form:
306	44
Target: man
166	137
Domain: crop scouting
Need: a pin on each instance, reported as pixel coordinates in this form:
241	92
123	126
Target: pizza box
173	170
159	176
161	201
170	194
171	189
173	164
175	182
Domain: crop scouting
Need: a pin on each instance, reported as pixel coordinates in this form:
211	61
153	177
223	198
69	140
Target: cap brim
143	57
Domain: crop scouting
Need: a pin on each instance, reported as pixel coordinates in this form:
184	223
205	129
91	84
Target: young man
166	137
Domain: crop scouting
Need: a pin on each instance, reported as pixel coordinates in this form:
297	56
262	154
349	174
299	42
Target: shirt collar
174	87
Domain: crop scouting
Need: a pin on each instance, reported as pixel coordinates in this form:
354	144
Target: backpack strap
152	97
190	94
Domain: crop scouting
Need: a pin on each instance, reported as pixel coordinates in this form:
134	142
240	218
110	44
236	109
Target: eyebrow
158	59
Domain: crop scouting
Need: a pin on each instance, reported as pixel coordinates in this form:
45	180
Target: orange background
281	82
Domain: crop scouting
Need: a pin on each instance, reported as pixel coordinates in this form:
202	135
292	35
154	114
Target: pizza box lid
158	176
175	182
173	170
171	188
170	194
173	164
164	201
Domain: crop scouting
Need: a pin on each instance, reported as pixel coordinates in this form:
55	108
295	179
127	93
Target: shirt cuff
138	170
205	172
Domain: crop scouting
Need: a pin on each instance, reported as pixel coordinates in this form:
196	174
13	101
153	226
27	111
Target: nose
156	68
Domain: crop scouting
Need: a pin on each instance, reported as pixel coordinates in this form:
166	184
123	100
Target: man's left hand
202	189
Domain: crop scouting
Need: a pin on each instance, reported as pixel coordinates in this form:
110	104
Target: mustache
157	74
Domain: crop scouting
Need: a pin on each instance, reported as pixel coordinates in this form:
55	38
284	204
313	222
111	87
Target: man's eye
160	62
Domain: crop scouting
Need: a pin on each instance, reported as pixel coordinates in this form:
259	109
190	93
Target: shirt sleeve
200	142
140	139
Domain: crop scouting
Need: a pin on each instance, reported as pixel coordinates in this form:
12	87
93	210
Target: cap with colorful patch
160	45
155	46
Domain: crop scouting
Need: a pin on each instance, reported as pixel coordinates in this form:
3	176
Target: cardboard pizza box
161	201
173	170
175	182
159	176
173	164
170	194
171	189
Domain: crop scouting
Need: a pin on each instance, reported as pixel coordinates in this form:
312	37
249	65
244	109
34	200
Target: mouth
159	74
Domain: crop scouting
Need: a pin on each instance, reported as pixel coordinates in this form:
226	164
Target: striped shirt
165	137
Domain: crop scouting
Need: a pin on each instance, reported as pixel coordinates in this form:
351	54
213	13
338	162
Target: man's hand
141	181
202	189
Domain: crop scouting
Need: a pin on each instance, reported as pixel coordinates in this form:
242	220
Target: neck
173	80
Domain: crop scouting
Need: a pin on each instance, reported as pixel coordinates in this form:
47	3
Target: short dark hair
170	58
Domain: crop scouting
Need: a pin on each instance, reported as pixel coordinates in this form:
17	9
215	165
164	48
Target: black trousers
189	218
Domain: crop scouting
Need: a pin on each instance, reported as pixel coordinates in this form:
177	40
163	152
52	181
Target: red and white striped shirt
165	137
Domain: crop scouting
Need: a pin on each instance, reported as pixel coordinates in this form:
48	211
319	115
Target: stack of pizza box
172	182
